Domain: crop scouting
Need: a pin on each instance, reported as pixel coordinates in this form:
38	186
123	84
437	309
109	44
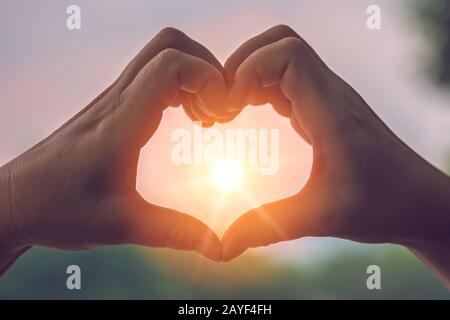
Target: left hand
76	189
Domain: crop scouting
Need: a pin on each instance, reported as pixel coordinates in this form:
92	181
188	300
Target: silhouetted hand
76	189
365	185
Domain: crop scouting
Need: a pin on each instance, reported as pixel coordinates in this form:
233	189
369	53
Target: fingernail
207	124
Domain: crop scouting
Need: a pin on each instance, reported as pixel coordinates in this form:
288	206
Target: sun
227	175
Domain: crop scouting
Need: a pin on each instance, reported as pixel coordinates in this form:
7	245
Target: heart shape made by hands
355	190
264	71
279	68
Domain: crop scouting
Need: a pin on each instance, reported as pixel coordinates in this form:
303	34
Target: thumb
283	220
142	223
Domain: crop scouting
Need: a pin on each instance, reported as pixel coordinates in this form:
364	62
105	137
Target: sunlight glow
227	175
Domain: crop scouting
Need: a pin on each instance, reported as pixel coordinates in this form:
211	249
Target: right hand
365	185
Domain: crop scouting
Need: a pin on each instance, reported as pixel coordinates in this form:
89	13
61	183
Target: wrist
10	245
8	240
438	206
433	249
433	221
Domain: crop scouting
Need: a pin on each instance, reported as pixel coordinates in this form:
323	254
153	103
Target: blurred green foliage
434	18
137	273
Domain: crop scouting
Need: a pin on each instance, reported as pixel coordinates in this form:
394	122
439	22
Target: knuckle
292	45
169	55
283	30
171	36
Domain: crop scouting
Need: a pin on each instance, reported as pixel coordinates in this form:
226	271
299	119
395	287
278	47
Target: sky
48	73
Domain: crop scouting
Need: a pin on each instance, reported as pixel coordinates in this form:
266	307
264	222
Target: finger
273	34
166	38
289	65
265	95
198	113
283	220
185	101
229	117
272	95
160	83
133	220
176	39
269	36
297	127
281	105
192	115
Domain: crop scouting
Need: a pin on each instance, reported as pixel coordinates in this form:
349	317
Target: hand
365	185
76	189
